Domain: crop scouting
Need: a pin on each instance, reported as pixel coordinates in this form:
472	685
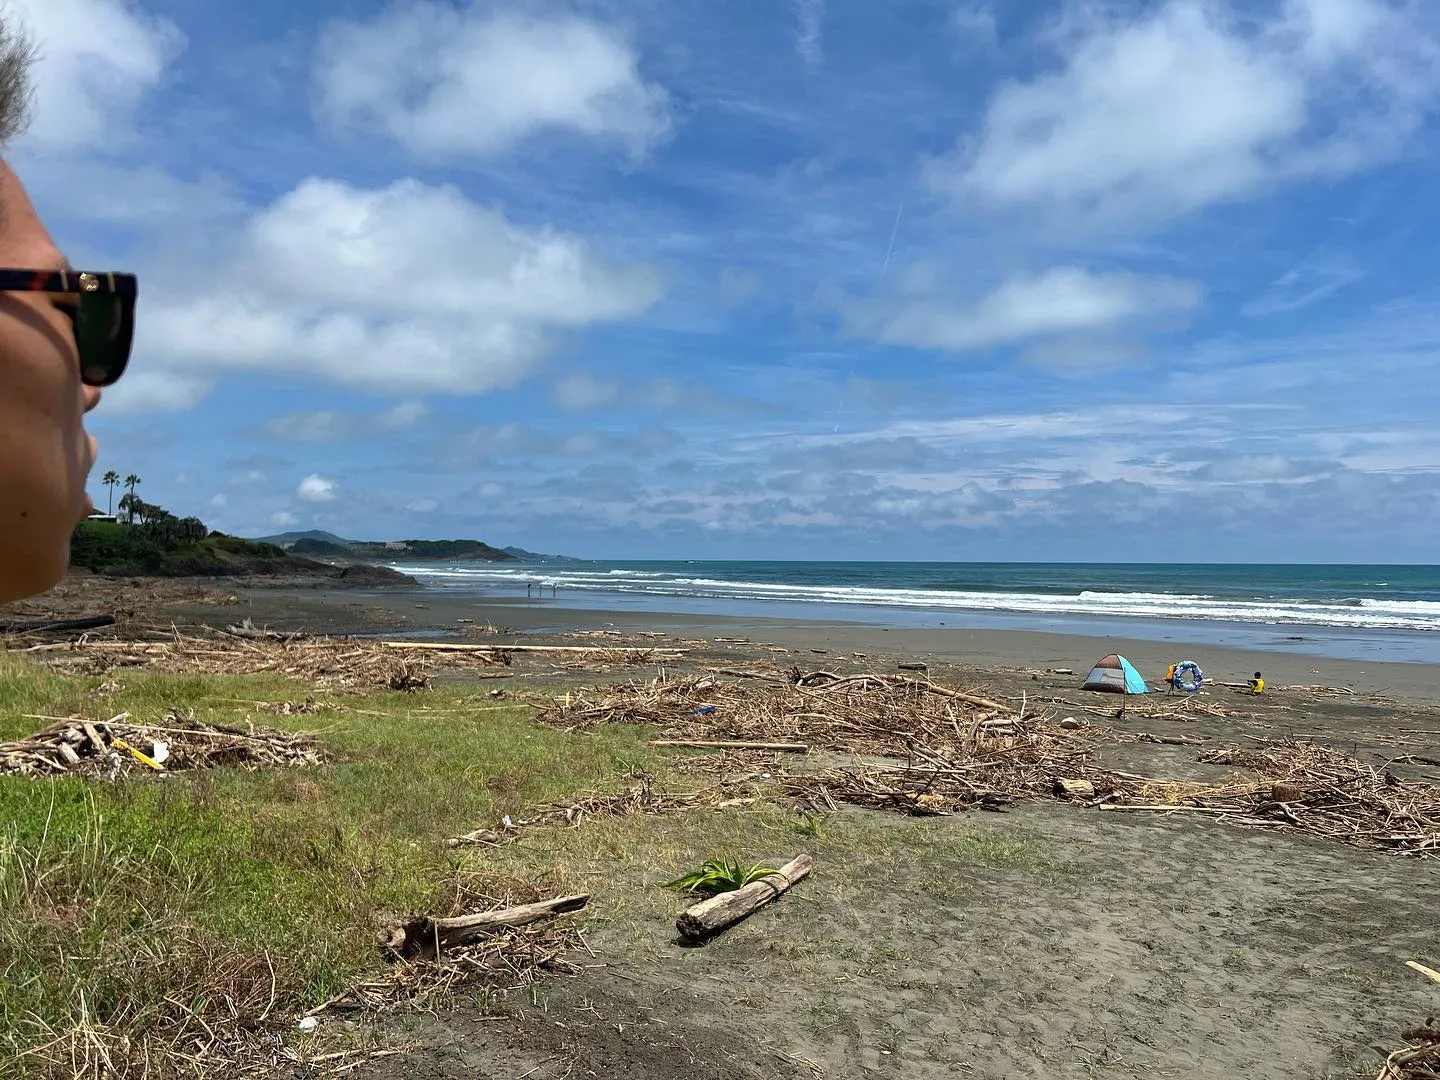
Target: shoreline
435	613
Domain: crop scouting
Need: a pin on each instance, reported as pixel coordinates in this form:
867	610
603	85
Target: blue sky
793	279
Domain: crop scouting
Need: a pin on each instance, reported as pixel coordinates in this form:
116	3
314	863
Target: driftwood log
426	938
711	916
1074	789
722	744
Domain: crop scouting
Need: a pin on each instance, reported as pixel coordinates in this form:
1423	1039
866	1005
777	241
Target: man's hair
17	54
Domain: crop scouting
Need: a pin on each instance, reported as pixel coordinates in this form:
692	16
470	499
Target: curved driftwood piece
711	916
427	937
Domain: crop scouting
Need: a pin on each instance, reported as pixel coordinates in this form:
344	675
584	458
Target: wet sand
987	650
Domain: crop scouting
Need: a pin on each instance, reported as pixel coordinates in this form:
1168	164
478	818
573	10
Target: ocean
1381	612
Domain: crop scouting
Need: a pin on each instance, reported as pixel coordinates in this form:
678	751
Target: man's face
37	339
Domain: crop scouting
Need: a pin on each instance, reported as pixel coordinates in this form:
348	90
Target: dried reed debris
119	746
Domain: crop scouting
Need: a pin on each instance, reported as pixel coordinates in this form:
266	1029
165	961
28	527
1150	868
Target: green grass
153	907
137	907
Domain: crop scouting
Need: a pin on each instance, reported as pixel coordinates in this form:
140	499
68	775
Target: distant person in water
1257	684
63	335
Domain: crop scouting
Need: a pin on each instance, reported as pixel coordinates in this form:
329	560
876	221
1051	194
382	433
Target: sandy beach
1037	937
997	650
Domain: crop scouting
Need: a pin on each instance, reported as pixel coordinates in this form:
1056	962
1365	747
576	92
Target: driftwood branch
425	937
711	916
722	744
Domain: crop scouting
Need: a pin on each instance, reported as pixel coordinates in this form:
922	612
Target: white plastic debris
160	753
308	1023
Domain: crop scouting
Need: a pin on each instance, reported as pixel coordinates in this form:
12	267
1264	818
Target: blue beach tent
1116	675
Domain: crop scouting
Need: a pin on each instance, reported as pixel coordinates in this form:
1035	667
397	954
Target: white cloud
809	29
283	518
469	83
407	288
422	506
338	425
219	500
97	59
1062	301
147	391
1159	111
581	392
315	488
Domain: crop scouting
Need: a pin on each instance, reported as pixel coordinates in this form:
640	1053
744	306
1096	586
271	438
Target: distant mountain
535	556
320	544
313	534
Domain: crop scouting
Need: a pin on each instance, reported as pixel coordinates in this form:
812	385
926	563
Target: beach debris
79	747
913	667
1418	1061
1429	972
55	626
722	744
1074	789
507	959
709	917
716	876
327	663
950	750
424	937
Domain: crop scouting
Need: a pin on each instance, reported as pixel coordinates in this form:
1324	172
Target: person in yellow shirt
1257	684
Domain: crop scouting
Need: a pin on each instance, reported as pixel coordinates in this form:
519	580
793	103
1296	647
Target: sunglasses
103	315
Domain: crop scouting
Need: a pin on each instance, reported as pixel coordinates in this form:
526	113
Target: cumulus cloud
1062	300
315	488
219	500
449	82
1157	111
283	518
406	288
97	60
148	391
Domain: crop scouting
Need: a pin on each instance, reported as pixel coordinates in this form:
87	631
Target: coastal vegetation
160	544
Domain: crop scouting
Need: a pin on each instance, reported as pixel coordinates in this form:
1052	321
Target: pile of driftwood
503	948
328	663
932	749
1418	1061
862	714
118	746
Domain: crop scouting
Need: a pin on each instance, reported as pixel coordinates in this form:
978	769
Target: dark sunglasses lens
104	326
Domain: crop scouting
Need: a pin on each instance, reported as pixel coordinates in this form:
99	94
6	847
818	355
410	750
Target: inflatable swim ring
1188	676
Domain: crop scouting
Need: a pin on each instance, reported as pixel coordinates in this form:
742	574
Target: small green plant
812	824
718	876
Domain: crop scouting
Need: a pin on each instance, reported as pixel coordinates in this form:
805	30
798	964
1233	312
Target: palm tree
110	479
130	482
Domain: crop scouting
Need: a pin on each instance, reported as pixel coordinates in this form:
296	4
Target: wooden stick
711	916
721	744
1159	807
425	936
436	646
945	691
